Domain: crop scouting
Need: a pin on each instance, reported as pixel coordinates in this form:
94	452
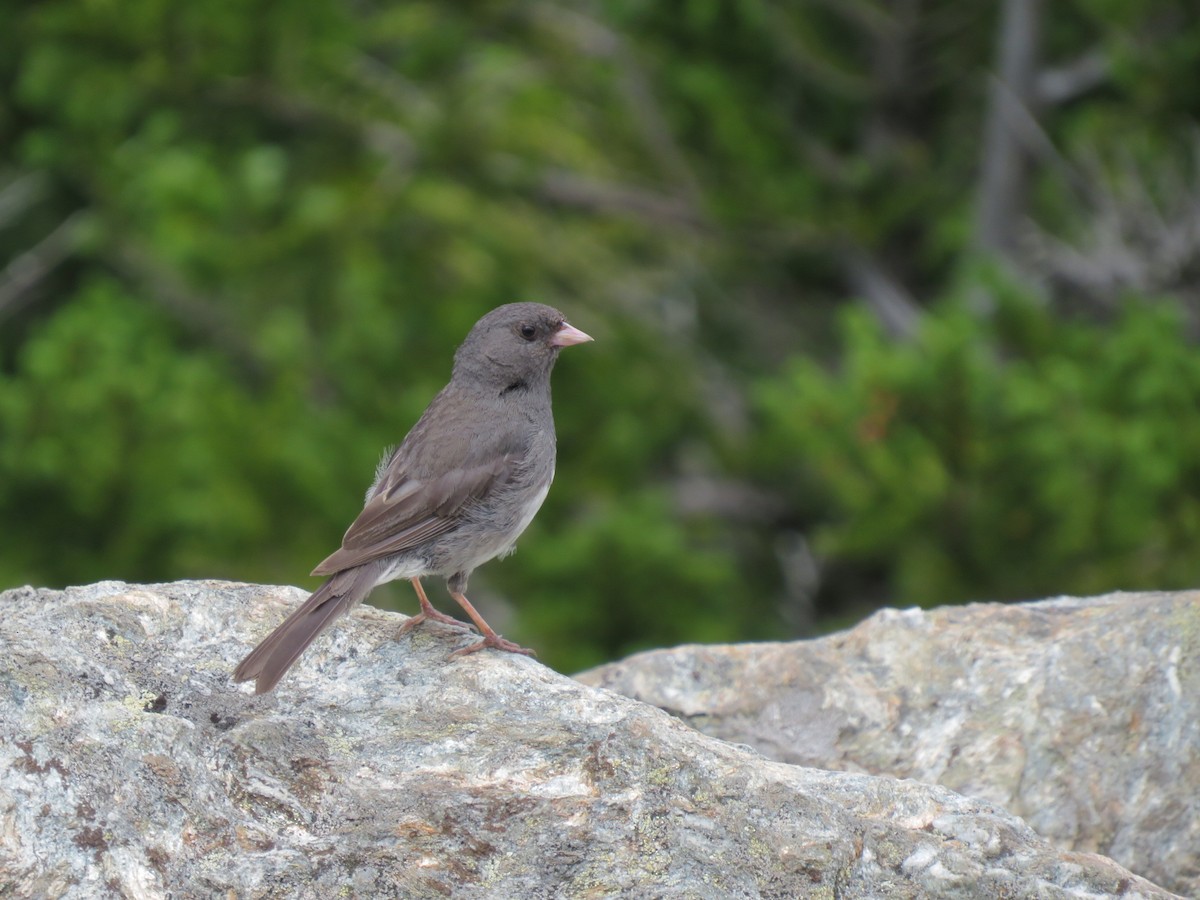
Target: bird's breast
529	509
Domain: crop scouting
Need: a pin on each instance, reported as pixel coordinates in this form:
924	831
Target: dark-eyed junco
458	491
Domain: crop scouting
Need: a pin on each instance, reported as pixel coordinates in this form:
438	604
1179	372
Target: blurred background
895	301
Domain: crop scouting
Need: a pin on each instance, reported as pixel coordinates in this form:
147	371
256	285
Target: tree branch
20	194
573	190
193	312
31	267
1003	180
891	303
1064	83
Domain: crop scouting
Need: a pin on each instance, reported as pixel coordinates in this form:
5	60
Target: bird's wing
424	490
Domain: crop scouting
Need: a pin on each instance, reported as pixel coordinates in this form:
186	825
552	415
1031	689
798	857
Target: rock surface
130	766
1081	716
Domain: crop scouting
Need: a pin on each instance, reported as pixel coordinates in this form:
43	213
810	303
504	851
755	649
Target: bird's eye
528	332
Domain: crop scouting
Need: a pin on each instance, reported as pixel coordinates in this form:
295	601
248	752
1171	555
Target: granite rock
130	766
1082	716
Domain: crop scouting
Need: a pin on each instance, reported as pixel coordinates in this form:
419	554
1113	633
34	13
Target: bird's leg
490	638
427	612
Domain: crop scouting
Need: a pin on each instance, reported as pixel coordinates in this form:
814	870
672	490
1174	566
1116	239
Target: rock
130	766
1081	716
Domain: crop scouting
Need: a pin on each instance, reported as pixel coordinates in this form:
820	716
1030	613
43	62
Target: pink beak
567	335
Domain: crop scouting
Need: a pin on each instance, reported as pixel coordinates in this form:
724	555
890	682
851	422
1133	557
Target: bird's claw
495	642
435	616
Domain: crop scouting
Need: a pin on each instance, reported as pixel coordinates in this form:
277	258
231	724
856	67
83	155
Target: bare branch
384	137
596	39
575	190
810	62
20	194
584	32
801	580
738	501
1003	180
1141	234
1064	83
194	312
892	84
891	303
32	266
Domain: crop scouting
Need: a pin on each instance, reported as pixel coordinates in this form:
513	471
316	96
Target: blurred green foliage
239	243
1039	456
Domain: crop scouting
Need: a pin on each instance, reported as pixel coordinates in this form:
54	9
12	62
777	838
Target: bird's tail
270	660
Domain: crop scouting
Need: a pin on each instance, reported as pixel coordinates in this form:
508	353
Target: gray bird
459	490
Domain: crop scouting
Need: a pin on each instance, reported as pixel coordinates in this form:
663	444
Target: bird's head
515	346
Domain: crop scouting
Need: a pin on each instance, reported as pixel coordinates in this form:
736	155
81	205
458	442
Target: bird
457	492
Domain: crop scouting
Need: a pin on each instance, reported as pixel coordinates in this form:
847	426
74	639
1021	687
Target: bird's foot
496	642
430	614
